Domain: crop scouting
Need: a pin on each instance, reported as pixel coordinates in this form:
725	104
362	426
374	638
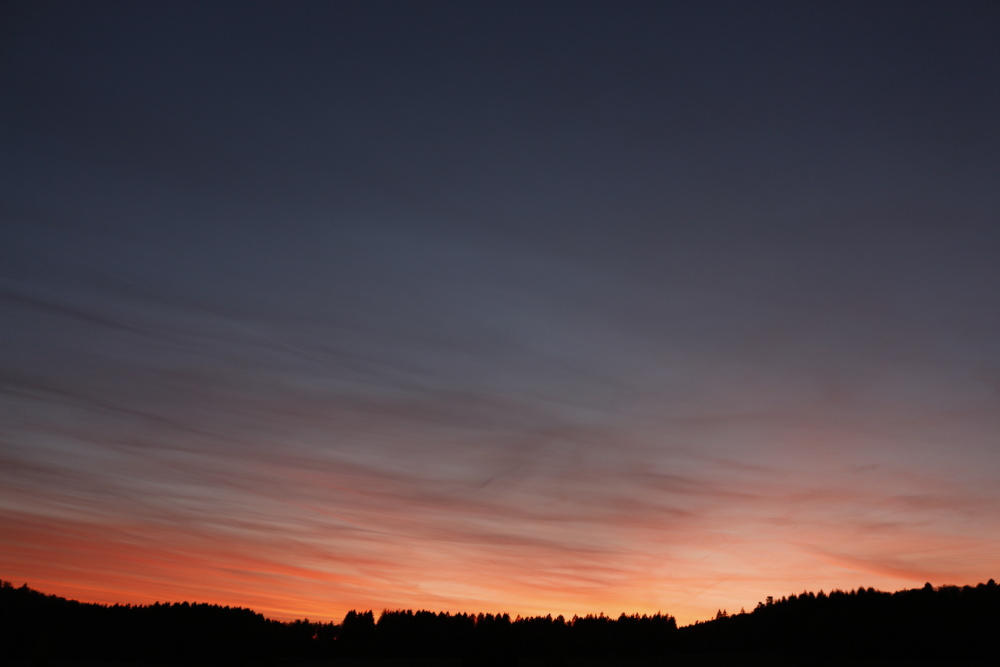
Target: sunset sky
543	307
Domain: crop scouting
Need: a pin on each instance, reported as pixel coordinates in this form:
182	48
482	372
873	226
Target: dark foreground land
948	625
721	660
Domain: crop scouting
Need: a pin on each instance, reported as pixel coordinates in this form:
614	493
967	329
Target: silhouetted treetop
945	624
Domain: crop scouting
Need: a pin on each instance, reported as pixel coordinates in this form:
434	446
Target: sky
547	307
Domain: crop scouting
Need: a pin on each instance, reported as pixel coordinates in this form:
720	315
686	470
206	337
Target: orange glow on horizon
130	563
671	309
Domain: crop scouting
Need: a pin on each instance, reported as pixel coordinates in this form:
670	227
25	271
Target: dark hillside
933	625
40	628
928	626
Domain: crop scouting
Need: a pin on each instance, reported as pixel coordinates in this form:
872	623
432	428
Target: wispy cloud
394	330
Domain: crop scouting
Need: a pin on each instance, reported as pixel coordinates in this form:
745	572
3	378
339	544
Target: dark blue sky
580	306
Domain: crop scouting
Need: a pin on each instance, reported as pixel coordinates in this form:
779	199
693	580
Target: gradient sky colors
542	307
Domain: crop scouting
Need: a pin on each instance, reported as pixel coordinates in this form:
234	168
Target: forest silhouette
947	625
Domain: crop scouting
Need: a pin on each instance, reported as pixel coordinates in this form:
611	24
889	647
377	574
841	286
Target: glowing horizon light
643	307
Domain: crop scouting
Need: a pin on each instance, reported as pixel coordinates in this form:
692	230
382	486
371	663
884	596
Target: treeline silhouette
944	625
947	625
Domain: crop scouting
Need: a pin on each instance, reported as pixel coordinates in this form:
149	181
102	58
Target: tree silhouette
943	625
